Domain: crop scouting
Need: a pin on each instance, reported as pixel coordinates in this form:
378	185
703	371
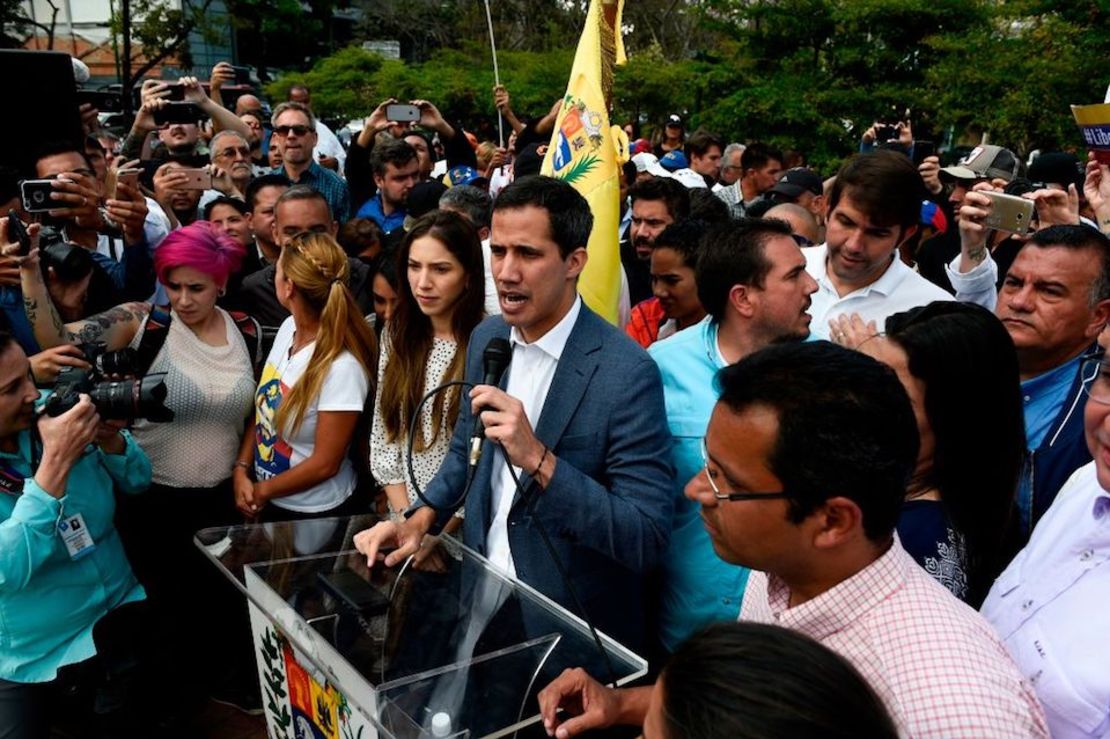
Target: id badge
75	535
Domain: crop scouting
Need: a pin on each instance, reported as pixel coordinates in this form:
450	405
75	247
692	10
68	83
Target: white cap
689	178
649	163
441	724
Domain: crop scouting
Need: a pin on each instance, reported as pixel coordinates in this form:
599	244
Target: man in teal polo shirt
752	281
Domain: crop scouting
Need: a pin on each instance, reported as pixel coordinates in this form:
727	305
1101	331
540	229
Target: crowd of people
842	468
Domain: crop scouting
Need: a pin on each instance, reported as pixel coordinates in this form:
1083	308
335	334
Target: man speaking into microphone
580	418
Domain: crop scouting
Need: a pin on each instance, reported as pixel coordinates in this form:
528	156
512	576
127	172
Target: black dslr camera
141	397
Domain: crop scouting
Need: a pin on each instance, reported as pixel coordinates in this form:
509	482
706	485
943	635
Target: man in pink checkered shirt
807	456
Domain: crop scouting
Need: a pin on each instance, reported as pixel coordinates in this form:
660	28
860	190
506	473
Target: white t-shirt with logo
344	389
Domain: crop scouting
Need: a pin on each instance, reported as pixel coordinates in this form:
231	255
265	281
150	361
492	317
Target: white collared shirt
898	289
530	374
1050	607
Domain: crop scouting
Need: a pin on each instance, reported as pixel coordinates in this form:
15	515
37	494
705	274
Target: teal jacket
49	603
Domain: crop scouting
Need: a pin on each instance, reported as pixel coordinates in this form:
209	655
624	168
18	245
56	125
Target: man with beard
752	280
395	165
874	206
656	204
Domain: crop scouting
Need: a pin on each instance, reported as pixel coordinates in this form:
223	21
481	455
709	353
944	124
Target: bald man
801	221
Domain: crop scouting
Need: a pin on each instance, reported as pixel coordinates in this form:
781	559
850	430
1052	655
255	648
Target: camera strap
158	326
11	479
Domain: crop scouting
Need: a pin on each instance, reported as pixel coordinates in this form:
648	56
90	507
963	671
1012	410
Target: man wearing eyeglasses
807	455
294	136
1054	301
751	279
1049	605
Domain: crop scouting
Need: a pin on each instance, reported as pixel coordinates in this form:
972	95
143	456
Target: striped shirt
936	663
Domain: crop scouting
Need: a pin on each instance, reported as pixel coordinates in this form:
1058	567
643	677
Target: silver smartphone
1009	213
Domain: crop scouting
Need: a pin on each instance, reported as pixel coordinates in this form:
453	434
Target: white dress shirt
530	374
898	289
1051	607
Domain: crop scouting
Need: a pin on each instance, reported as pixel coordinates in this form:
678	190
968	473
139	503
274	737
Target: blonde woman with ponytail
313	388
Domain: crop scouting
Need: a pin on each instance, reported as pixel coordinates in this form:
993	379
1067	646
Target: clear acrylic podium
452	648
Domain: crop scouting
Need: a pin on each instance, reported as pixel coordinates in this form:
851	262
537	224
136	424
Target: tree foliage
806	74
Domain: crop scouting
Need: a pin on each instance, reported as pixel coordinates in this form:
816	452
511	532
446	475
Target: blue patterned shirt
327	183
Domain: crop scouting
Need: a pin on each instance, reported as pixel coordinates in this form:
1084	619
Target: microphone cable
530	503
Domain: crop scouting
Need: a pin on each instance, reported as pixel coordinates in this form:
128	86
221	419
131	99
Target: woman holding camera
441	300
209	377
293	462
63	567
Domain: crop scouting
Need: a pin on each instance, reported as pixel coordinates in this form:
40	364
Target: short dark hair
304	192
671	192
757	155
393	151
729	682
700	142
258	184
1080	237
568	213
884	185
733	254
845	427
54	148
685	238
358	235
235	203
6	341
473	202
705	206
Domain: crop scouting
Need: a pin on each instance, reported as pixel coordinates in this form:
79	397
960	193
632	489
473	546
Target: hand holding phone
1008	213
178	113
402	113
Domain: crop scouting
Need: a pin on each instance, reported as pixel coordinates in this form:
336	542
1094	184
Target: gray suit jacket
608	507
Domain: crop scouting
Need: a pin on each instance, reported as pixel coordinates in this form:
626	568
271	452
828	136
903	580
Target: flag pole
496	74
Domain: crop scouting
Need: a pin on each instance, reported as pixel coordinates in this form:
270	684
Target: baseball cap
689	178
461	175
674	160
933	216
1056	166
796	181
984	162
649	163
674	120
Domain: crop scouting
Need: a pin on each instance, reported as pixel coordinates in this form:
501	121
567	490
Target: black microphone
495	359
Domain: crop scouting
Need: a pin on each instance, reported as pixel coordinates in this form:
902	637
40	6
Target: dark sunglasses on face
286	130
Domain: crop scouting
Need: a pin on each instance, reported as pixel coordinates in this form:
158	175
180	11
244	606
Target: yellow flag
587	152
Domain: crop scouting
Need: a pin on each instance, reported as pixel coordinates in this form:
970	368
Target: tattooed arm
115	327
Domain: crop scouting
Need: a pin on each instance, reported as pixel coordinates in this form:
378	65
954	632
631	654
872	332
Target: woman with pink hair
208	356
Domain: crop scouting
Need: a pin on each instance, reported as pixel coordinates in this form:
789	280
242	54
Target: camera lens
142	398
38	196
